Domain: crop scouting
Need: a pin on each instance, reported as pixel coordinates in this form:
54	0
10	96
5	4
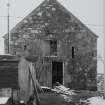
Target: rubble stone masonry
76	44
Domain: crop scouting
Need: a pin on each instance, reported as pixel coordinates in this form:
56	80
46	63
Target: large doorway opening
57	72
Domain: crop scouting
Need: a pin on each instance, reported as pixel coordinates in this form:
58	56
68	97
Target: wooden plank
9	75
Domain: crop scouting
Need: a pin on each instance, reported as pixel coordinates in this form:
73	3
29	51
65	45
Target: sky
90	12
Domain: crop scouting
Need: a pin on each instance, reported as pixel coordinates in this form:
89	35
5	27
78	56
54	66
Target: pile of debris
73	97
63	90
66	93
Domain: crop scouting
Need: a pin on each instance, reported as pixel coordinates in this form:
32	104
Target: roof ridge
50	0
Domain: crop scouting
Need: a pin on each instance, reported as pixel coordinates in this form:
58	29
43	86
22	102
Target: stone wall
51	21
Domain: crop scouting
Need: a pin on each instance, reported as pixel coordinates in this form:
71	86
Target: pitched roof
45	2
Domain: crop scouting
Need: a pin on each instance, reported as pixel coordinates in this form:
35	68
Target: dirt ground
57	99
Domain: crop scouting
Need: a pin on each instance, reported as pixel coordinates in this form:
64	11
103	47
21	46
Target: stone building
66	47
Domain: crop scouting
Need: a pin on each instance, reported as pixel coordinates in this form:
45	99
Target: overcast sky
90	12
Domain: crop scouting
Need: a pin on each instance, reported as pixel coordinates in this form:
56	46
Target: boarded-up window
49	47
53	47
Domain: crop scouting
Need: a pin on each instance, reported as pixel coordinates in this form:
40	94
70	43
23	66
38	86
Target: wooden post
8	5
104	43
12	95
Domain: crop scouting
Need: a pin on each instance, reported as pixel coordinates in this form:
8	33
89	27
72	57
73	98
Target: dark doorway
57	72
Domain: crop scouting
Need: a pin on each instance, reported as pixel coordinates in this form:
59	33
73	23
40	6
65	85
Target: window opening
73	52
53	47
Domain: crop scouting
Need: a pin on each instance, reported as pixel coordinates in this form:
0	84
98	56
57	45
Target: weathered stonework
51	21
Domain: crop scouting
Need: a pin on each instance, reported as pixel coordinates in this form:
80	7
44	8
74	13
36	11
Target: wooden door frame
63	66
